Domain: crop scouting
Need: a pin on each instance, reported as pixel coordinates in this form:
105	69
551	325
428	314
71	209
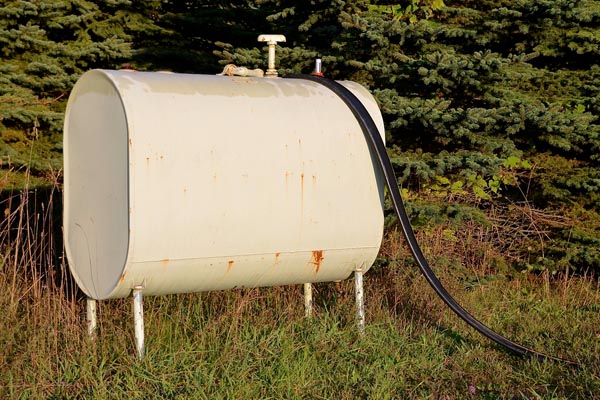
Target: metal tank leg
138	320
91	318
360	300
308	300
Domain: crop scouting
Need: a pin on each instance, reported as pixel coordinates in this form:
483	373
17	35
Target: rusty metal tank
184	183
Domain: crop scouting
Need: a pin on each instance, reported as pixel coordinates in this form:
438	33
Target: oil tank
185	183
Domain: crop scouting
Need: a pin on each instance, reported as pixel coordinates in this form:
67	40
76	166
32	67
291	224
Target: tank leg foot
91	318
360	300
138	320
308	300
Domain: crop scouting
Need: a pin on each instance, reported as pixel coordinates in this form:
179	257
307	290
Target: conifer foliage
490	103
45	45
190	30
492	106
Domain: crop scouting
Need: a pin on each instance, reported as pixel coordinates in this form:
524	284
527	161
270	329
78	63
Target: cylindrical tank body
184	183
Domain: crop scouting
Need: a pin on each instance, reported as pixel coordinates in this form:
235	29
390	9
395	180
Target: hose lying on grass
378	148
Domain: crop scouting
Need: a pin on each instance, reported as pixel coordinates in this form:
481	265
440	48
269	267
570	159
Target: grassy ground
256	343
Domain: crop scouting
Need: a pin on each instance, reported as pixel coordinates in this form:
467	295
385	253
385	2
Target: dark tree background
491	106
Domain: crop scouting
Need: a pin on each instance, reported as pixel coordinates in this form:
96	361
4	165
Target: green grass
256	343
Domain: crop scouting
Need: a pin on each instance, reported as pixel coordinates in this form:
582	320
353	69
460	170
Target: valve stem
272	42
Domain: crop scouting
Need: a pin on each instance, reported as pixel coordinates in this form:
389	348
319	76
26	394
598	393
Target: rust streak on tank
302	195
122	279
317	259
229	265
164	263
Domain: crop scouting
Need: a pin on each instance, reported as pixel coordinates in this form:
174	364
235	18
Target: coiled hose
378	147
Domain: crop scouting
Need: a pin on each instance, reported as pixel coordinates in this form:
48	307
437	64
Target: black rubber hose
376	143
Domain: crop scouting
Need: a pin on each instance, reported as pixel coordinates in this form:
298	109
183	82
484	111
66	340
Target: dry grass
255	343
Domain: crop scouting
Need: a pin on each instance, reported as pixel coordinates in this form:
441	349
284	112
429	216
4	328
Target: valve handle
272	41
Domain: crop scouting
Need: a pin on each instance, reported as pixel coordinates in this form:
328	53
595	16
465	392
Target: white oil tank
185	183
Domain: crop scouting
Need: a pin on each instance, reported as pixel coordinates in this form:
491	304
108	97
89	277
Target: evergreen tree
483	101
488	104
191	29
46	46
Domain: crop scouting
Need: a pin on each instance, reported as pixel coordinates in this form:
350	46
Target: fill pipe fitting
272	41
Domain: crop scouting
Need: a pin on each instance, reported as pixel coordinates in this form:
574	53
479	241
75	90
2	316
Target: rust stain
277	257
148	161
130	144
229	265
165	262
122	279
314	180
302	196
317	259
